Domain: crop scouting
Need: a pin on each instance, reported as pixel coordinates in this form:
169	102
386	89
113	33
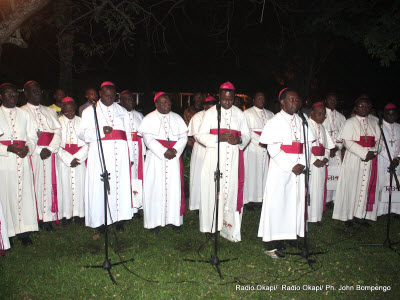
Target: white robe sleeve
65	157
31	136
87	131
245	134
280	157
181	144
154	145
204	137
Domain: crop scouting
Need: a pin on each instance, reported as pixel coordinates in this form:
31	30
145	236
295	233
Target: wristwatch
240	140
175	152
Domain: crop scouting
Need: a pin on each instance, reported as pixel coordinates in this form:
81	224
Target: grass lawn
54	265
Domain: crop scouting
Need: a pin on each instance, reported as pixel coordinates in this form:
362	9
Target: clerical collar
8	108
258	109
227	110
163	115
387	123
31	105
286	115
361	118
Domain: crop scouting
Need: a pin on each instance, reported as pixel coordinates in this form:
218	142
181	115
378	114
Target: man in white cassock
256	158
138	148
196	160
165	135
17	142
234	137
282	214
391	130
48	130
115	134
358	190
333	124
4	240
320	152
71	168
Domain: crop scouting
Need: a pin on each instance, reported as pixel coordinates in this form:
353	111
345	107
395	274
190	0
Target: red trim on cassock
239	203
171	145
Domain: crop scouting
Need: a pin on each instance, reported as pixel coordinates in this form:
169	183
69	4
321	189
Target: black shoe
279	254
155	229
318	223
362	222
279	245
177	229
66	222
293	243
48	226
330	205
250	206
101	229
138	215
26	241
79	220
349	223
120	227
208	235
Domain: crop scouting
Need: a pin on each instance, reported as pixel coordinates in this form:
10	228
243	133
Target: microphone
380	116
301	115
218	105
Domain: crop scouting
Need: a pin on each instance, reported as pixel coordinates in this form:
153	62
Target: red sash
17	143
239	203
258	132
115	135
366	141
318	150
171	144
71	148
294	148
136	138
45	139
369	142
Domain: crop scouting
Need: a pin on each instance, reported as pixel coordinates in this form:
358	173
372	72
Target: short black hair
5	86
284	93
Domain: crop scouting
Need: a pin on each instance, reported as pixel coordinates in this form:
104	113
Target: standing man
48	131
115	133
17	142
71	168
256	157
391	130
333	123
90	95
320	152
357	191
165	135
196	161
189	112
139	150
58	95
234	137
282	214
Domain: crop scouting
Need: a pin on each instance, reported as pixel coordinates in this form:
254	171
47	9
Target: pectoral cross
392	142
296	141
111	134
169	142
331	132
69	141
39	132
366	139
12	138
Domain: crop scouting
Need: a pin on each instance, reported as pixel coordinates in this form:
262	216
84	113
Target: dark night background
209	42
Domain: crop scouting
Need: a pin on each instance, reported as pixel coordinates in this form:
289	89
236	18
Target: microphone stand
305	253
105	177
215	261
392	171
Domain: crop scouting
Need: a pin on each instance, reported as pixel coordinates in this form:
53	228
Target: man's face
33	93
198	99
259	100
68	109
107	95
318	114
226	99
127	101
208	106
9	97
390	115
292	103
163	104
362	108
331	102
91	95
59	95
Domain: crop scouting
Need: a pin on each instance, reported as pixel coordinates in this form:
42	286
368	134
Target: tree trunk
66	52
23	10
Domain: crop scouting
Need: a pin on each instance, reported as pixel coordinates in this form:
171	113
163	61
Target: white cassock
4	241
282	214
320	150
392	134
17	195
48	131
256	158
71	181
139	151
163	197
196	161
357	184
117	148
231	162
333	124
